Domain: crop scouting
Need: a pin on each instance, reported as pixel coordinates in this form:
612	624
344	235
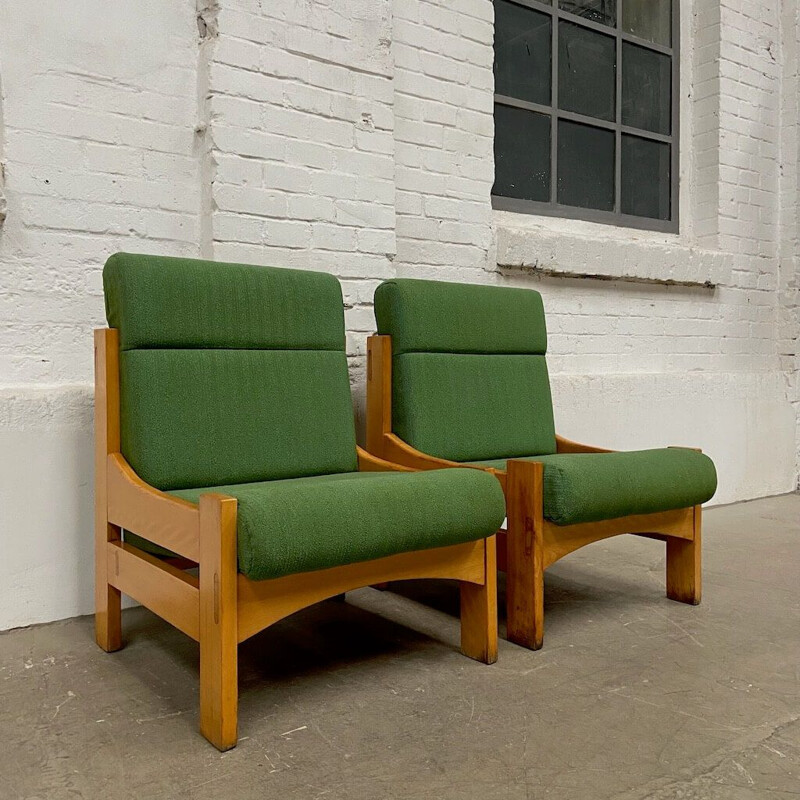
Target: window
586	110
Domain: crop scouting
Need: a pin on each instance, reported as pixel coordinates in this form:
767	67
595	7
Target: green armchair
225	442
458	376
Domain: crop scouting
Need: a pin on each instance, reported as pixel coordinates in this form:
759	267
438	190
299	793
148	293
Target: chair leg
684	556
219	690
479	612
107	598
525	554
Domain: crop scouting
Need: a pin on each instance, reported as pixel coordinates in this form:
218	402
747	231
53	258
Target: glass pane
646	89
586	71
645	178
522	39
648	19
585	166
602	11
521	154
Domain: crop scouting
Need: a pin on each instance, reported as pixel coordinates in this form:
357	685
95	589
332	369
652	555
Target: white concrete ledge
545	246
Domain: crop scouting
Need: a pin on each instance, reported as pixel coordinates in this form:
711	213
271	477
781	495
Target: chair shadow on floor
568	587
316	643
410	619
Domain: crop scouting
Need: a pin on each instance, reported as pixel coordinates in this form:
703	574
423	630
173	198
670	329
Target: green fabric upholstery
439	317
587	487
291	526
465	407
229	373
469	378
156	301
205	417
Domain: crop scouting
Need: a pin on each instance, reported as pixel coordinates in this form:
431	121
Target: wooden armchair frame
532	543
221	608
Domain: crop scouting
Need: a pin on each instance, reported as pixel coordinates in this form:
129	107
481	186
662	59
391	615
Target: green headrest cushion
157	301
438	317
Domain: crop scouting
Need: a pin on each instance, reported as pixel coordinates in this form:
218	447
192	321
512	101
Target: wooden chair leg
525	554
684	556
107	598
219	690
479	612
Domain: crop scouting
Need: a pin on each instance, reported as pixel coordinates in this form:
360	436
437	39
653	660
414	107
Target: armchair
457	376
225	442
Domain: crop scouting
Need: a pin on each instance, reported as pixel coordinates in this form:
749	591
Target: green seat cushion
469	377
303	524
587	487
229	373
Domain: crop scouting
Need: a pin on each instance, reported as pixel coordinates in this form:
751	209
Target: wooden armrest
400	452
567	446
154	515
370	463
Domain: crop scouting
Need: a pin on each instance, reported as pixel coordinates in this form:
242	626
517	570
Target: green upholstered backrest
469	376
229	373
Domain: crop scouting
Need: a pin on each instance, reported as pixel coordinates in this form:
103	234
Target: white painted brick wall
355	136
303	144
97	143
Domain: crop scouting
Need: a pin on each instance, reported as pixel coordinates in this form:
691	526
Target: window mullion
618	131
554	112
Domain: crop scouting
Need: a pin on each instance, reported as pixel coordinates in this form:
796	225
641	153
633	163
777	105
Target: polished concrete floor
633	696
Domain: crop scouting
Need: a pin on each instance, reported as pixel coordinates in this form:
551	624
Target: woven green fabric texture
156	301
464	407
439	317
469	378
587	487
305	524
229	373
198	417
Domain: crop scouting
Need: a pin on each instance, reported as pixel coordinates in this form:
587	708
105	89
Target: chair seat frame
531	543
220	607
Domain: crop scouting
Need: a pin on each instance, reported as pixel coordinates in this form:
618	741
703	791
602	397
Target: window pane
586	71
521	154
648	19
585	166
522	39
645	178
646	88
602	11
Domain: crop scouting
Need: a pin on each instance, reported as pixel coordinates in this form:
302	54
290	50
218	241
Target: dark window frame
553	208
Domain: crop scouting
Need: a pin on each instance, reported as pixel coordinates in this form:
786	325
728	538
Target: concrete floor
633	696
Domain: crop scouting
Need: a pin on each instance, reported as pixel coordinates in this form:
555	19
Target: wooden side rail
167	591
400	452
367	462
568	446
262	603
560	541
156	516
